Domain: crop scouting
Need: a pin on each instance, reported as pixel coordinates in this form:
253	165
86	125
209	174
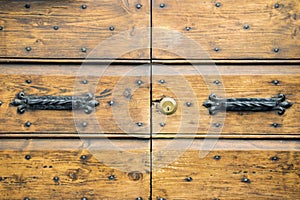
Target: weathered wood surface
56	29
78	178
248	29
195	83
130	100
233	169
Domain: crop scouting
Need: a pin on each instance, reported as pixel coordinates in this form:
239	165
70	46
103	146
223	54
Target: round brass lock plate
167	106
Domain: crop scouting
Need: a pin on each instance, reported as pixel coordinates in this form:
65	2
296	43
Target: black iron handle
215	104
24	102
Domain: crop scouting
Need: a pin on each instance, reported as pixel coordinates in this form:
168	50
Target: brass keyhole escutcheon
167	106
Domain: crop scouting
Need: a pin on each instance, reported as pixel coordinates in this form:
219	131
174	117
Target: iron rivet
27	6
162	5
28	81
28	124
218	4
1	178
276	5
83	157
245	180
274	158
84	198
217	157
56	179
139	6
216	49
84	124
246	26
85	82
139	198
83	49
28	48
111	177
217	125
139	124
162	124
111	103
189	179
139	82
188	104
55	28
162	81
160	198
28	157
188	28
275	82
217	82
111	28
276	50
275	125
84	6
26	198
0	103
1	28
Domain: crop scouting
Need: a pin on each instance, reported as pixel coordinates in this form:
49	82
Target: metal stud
84	198
55	178
274	158
111	103
139	124
246	27
217	82
162	124
26	198
83	49
188	179
188	104
27	6
217	125
83	6
276	5
139	198
1	103
139	82
216	49
28	124
218	4
83	157
188	28
217	157
111	28
162	5
55	28
245	180
28	81
112	178
1	28
28	48
84	124
276	50
275	82
27	157
162	81
275	125
160	198
138	6
85	82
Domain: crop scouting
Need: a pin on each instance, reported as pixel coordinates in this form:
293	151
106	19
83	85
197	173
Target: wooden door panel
191	86
122	92
232	169
228	29
74	169
73	29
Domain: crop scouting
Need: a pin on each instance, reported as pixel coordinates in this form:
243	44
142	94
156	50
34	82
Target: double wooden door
144	99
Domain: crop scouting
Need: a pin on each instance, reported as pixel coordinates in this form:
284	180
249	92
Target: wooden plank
232	169
119	84
111	29
28	168
251	29
194	84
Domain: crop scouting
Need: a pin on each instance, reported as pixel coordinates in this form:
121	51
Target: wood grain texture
78	178
77	28
222	27
271	169
130	100
186	83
